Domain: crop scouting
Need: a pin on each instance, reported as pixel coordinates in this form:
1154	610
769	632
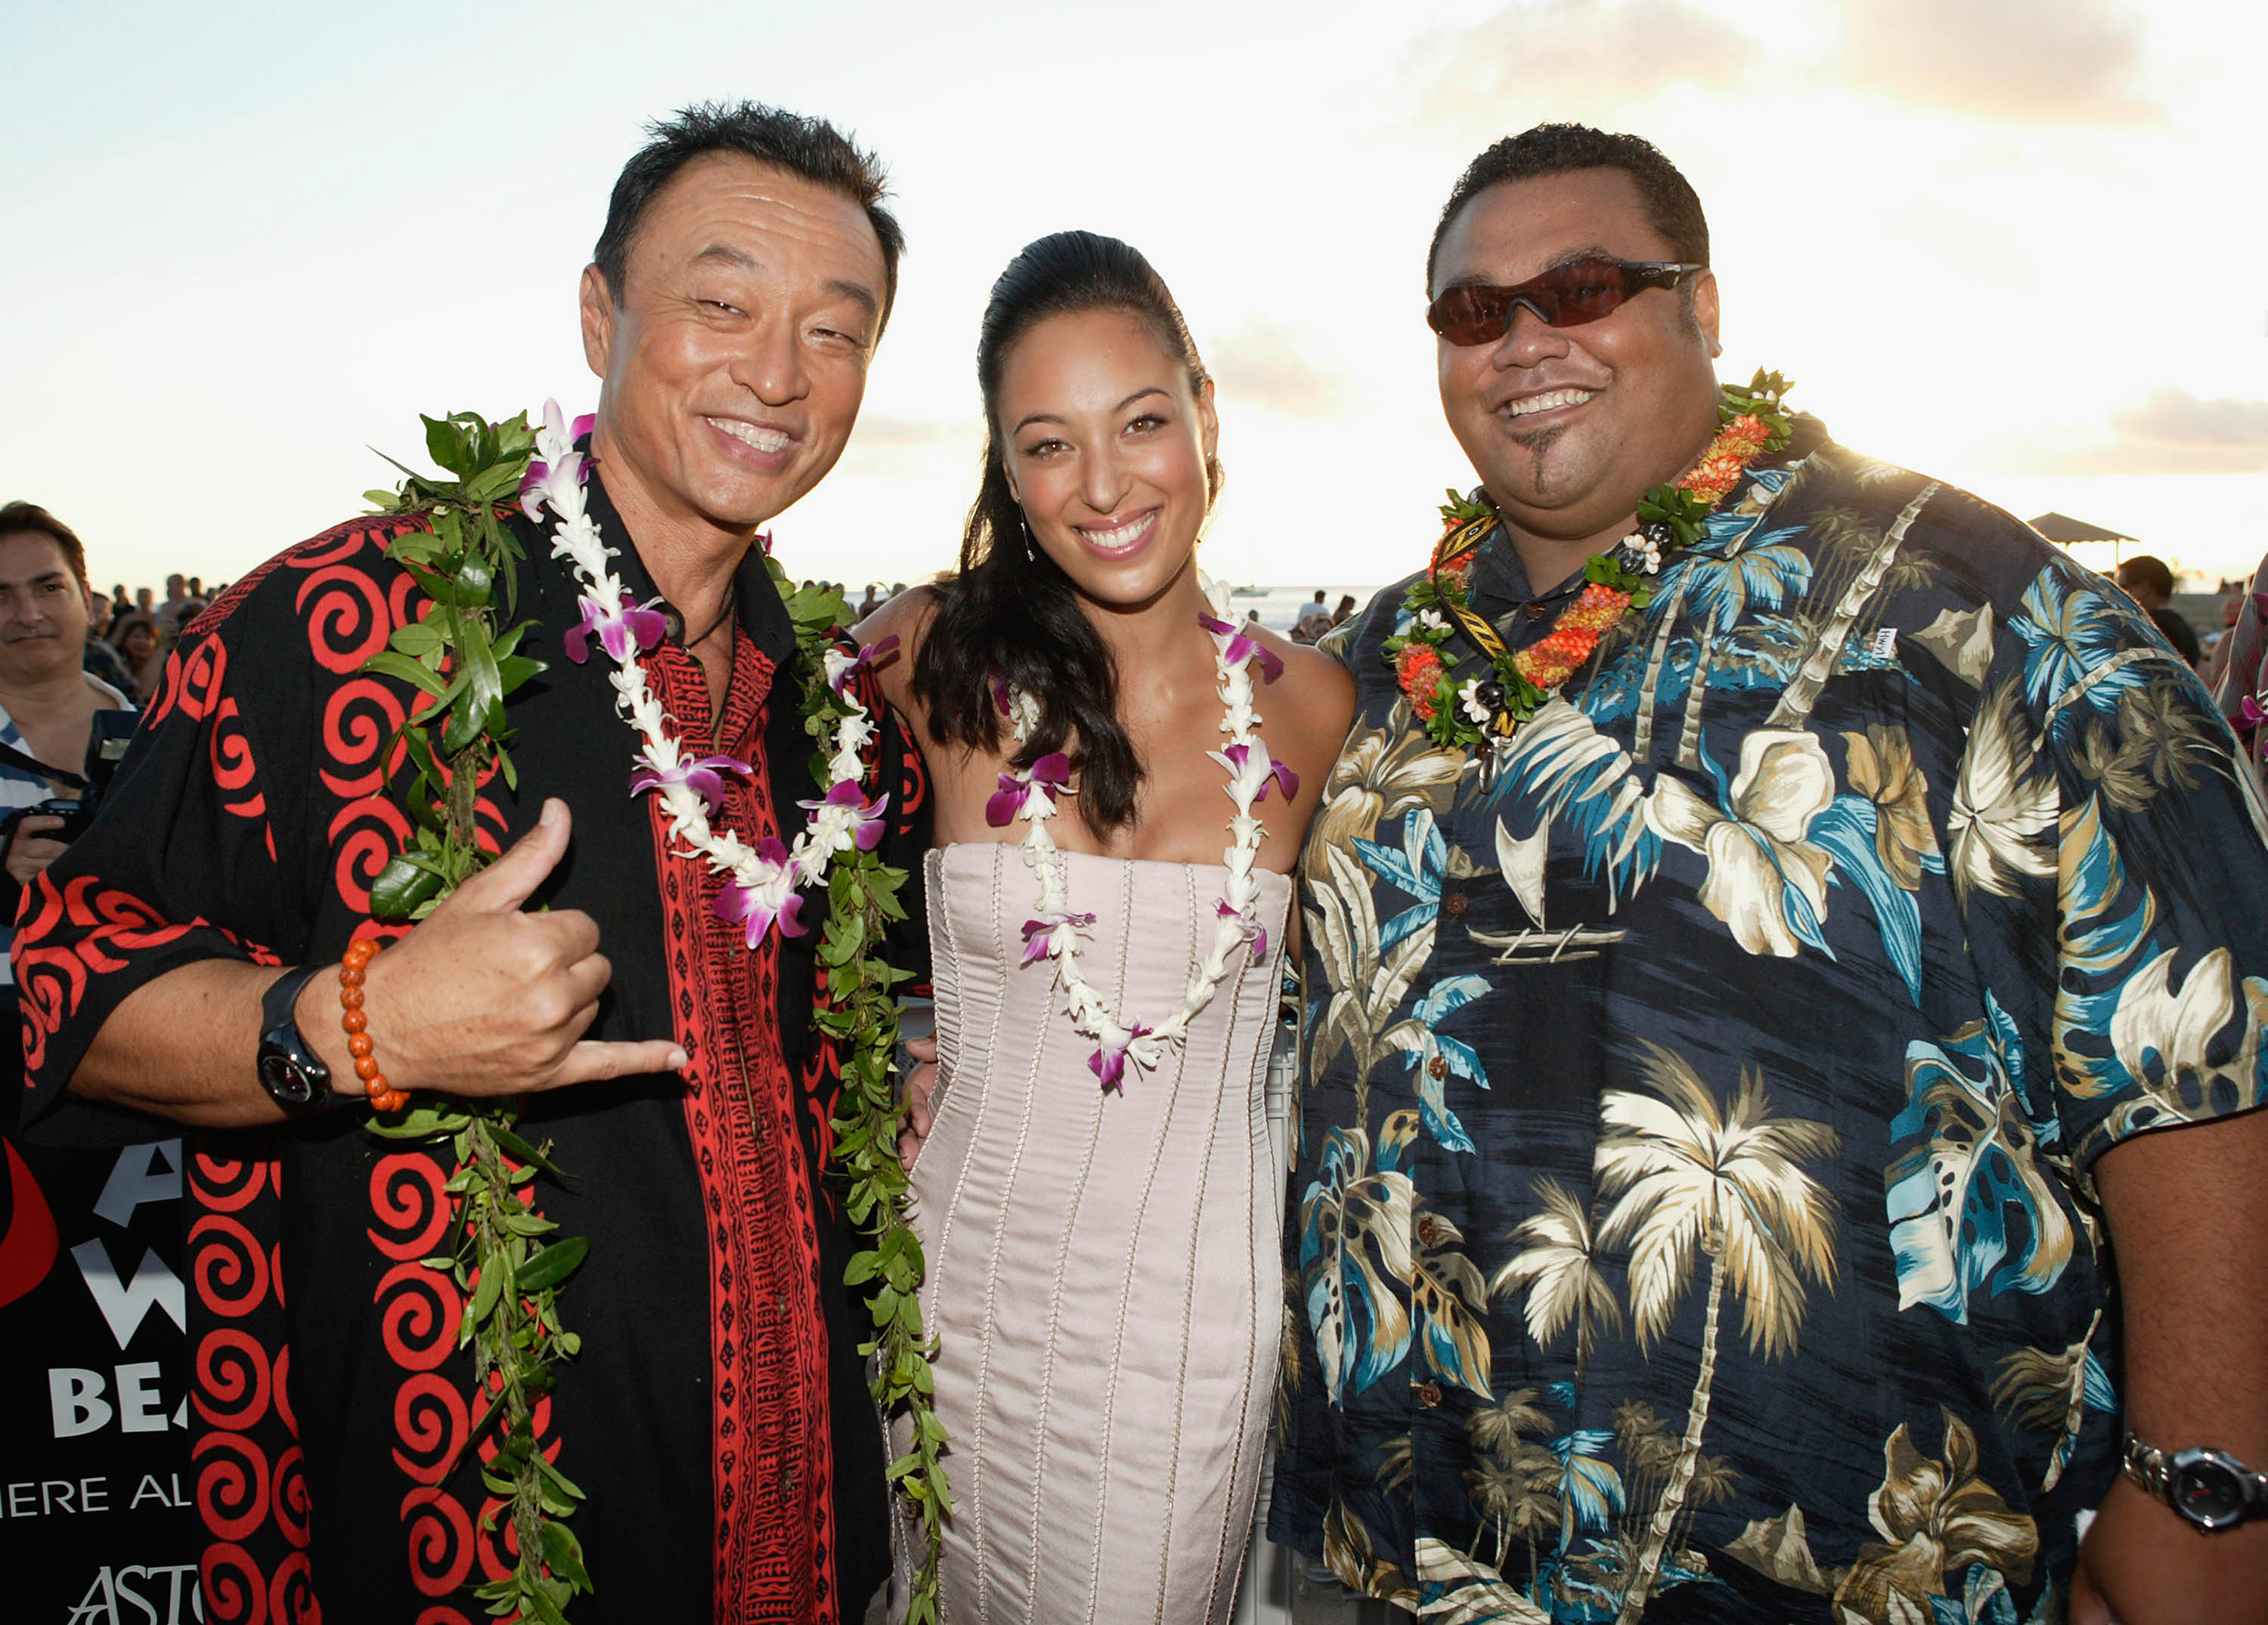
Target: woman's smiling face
1106	444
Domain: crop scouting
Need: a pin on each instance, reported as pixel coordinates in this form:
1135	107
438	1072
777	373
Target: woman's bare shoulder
907	618
1315	694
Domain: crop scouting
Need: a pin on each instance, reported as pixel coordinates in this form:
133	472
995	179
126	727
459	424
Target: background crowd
130	632
130	635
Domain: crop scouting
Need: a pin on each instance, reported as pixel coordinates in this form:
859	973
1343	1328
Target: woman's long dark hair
1010	612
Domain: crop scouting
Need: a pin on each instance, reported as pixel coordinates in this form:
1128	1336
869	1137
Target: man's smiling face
735	359
1567	427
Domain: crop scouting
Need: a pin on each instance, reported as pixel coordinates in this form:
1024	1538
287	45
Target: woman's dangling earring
1024	525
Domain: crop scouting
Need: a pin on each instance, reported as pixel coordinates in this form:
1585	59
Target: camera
112	732
76	816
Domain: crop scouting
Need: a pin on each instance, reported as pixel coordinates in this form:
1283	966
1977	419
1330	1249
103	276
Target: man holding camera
48	703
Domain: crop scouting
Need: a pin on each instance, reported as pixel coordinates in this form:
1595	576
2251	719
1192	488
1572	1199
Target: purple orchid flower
844	811
1241	646
846	669
2251	711
1108	1061
1000	693
757	906
621	630
1039	934
537	483
554	422
702	774
1239	757
1049	775
1256	933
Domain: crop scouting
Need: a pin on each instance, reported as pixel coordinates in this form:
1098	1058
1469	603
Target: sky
2015	243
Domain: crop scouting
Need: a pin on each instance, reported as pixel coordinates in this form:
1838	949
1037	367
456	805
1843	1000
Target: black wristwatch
2210	1489
295	1079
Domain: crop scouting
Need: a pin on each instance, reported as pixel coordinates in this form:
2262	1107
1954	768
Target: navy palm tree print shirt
1693	1207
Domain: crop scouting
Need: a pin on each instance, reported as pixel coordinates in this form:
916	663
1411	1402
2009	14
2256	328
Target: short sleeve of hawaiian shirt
2098	763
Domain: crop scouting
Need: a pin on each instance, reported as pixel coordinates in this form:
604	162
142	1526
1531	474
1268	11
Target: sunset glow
2013	243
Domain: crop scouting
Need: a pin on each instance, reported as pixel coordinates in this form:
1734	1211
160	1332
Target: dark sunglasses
1565	296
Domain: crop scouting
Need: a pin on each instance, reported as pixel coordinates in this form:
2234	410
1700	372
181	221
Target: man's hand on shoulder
488	998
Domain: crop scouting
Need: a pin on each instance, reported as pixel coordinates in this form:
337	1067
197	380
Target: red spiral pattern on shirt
235	1589
348	617
251	1489
233	1374
419	1313
225	1184
231	1485
358	720
232	767
409	1196
93	928
430	1421
203	672
365	836
423	1311
442	1547
169	692
230	1266
291	1589
289	1500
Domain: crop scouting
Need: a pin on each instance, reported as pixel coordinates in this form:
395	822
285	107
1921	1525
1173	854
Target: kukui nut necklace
1054	935
1473	710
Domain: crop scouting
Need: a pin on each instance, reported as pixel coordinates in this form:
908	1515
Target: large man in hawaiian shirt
1719	1121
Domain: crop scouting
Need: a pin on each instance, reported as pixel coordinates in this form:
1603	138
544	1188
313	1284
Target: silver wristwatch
2210	1489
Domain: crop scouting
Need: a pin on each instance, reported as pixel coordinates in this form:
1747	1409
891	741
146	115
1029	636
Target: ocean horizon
1280	606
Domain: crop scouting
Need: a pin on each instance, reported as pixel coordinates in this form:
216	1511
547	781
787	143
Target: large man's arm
482	999
2188	1211
2159	994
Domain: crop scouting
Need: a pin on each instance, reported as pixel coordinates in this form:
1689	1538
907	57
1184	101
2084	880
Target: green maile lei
505	1258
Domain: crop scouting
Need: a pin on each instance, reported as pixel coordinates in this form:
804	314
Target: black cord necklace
724	615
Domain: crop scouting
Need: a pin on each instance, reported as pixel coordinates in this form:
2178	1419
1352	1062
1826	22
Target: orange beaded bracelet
383	1096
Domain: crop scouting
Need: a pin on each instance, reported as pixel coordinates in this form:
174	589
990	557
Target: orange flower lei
1472	710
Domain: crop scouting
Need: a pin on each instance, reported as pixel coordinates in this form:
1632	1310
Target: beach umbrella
2063	530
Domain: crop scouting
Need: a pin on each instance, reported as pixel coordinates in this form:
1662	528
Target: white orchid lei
767	879
1055	934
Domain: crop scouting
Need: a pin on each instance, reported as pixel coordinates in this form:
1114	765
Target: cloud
2176	418
2035	61
1569	57
1264	363
2173	432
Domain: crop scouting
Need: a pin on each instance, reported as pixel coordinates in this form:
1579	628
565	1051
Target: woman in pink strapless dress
1103	1275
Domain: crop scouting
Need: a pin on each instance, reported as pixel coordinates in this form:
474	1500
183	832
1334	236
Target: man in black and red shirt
716	1415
